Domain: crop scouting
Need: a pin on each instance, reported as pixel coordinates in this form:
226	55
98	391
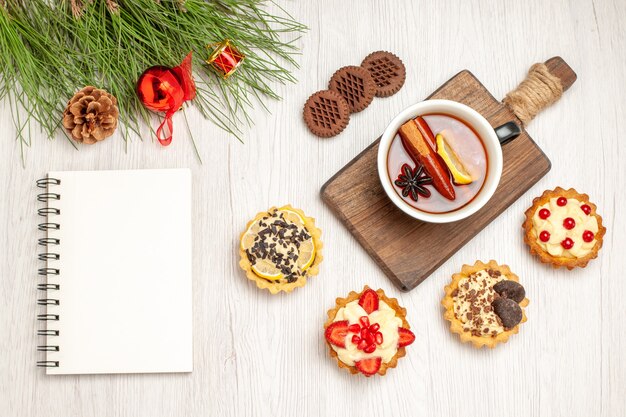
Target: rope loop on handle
539	90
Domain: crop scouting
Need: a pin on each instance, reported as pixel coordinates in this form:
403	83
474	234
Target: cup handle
507	132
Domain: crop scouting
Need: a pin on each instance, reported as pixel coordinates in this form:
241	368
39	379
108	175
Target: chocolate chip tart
563	229
367	332
280	248
485	304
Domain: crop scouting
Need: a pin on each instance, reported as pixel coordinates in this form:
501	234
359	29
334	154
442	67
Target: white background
257	354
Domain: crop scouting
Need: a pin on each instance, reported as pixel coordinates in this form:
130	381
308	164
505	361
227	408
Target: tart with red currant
367	332
485	304
562	228
280	249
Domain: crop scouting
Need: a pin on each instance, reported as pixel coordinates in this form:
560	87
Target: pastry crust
393	303
530	236
456	326
276	287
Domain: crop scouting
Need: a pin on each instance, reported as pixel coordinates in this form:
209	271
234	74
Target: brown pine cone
91	115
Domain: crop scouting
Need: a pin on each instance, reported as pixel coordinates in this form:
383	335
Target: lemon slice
247	240
292	216
262	267
459	174
307	254
267	270
306	251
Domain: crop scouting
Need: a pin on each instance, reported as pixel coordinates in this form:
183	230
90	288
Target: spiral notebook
115	290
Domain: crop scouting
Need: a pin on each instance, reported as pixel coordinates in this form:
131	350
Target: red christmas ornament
164	89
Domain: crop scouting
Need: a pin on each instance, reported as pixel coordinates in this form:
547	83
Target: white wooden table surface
257	354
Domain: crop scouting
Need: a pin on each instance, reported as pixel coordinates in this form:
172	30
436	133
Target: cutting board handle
543	85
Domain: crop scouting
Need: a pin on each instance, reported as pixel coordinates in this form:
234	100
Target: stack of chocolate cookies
350	90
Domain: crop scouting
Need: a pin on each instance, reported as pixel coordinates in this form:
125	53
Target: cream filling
554	226
472	304
389	323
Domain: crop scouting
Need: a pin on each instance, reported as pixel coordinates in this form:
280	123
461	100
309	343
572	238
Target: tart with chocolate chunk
280	249
562	228
367	332
485	304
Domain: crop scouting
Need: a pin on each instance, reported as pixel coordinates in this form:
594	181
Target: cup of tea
440	161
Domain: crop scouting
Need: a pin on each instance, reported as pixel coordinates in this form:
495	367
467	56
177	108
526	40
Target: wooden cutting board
409	250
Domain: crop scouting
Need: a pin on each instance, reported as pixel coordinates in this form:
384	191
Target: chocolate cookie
326	113
356	85
387	70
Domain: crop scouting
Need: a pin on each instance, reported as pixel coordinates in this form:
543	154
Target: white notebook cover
125	300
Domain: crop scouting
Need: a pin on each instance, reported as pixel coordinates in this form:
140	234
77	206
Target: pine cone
91	115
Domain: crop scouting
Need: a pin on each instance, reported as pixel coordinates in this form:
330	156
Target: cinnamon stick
426	132
422	153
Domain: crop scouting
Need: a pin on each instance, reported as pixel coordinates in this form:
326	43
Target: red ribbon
183	71
170	127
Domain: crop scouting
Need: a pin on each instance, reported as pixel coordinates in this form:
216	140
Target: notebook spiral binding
48	272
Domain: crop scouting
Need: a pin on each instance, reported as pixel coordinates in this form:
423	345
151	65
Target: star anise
412	182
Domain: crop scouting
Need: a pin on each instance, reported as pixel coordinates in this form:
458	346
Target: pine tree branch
50	50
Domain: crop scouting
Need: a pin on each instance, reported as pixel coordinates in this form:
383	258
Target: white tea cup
492	139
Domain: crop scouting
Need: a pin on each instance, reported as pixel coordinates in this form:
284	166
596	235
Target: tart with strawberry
367	332
562	228
485	304
280	249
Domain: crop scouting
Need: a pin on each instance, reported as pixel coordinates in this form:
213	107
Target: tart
280	249
367	332
485	304
562	228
